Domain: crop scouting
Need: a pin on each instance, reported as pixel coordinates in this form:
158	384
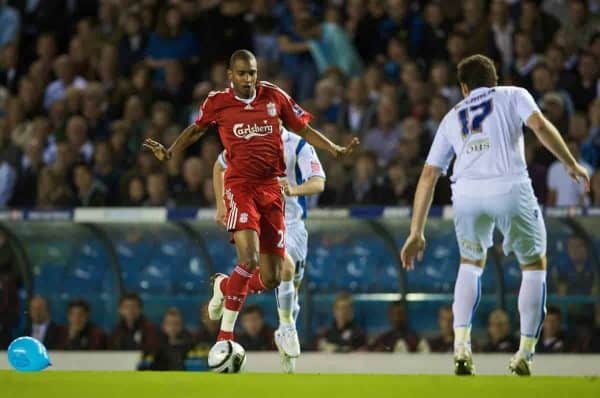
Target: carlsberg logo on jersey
247	131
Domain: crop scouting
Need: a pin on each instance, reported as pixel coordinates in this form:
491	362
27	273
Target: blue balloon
27	354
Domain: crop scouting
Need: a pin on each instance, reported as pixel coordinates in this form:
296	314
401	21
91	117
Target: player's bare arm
318	140
415	243
311	186
553	141
191	134
218	187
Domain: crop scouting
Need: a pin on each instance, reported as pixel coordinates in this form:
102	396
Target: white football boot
520	364
288	344
463	362
217	301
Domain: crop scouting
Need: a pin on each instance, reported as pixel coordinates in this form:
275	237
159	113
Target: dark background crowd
84	82
170	344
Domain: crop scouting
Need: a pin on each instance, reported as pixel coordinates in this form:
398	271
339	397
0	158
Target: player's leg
474	230
525	235
285	292
236	286
272	249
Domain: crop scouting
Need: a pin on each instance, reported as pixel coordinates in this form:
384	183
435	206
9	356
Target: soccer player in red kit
248	115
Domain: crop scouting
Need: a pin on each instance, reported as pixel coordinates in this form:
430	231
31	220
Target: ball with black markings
227	356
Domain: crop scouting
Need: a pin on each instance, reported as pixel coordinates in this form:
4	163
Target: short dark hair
79	303
131	296
477	71
253	309
246	55
553	310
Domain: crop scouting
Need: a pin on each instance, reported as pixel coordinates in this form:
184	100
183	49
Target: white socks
285	302
532	309
467	292
228	320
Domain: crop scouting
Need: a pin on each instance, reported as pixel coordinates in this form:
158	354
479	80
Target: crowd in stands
166	346
84	82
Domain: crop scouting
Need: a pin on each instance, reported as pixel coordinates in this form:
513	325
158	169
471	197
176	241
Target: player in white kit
305	176
491	188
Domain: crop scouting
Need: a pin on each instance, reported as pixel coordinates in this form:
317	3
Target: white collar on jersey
244	100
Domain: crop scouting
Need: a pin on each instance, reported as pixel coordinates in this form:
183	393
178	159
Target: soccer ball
227	356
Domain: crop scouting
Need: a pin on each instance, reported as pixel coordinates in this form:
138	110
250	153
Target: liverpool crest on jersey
271	109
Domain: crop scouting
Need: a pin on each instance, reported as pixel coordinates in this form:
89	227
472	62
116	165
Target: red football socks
256	285
237	288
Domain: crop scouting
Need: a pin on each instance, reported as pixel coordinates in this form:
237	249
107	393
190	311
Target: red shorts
260	208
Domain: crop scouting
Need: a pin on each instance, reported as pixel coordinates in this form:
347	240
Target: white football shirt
485	132
301	163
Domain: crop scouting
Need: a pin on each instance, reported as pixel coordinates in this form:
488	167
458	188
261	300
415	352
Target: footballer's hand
158	149
340	151
413	247
287	189
579	174
220	215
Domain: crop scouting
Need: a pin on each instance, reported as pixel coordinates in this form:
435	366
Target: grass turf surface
189	385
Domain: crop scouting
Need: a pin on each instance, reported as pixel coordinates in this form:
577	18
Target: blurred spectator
525	60
586	87
42	327
345	334
554	108
444	342
77	137
156	187
11	70
435	32
576	274
208	330
66	77
255	335
105	172
552	339
169	42
134	331
399	338
537	23
438	107
174	345
9	298
53	191
10	23
132	44
365	186
90	192
440	79
580	24
579	131
476	26
193	193
401	190
82	334
562	189
500	334
502	31
356	111
135	192
384	138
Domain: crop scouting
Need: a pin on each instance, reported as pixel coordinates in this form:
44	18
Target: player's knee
538	265
271	280
251	259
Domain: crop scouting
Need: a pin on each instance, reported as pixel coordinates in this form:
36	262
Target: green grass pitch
196	385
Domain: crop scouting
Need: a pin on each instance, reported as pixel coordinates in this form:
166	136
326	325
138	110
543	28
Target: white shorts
296	245
514	211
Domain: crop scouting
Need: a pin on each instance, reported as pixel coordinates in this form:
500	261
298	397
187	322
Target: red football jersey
250	130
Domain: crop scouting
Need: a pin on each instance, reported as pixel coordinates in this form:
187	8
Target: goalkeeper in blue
304	177
491	189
